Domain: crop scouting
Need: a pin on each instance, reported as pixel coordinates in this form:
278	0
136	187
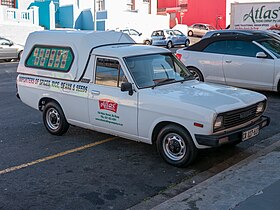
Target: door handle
228	61
95	92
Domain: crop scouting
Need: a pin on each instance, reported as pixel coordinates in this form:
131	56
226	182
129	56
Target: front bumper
232	136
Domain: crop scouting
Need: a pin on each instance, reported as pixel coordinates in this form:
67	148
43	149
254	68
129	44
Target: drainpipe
94	15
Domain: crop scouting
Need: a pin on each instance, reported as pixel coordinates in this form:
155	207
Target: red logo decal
108	104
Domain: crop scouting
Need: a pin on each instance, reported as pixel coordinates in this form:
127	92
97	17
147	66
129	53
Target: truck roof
127	50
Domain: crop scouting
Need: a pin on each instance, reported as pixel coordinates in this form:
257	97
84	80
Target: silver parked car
9	50
200	29
241	60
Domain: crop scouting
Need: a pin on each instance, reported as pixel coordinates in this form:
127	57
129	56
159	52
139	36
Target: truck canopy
80	44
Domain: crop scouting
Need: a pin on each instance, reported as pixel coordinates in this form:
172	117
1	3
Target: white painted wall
24	4
228	6
140	22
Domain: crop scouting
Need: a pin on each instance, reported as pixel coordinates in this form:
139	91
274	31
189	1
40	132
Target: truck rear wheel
54	119
175	146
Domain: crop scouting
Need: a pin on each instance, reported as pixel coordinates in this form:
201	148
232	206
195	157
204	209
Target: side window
4	42
216	47
50	58
109	73
155	33
178	33
125	31
133	32
242	48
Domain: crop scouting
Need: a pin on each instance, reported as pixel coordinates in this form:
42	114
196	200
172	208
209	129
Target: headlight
260	108
218	122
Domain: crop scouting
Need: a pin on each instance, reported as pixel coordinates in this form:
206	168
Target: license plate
250	133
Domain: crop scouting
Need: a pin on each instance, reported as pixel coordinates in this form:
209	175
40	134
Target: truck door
110	109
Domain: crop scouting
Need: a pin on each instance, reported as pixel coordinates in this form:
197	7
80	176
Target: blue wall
65	16
44	13
87	20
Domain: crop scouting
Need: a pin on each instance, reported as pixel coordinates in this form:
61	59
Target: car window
272	45
157	33
133	32
149	70
196	26
125	31
109	73
169	32
178	33
203	27
216	47
4	42
242	48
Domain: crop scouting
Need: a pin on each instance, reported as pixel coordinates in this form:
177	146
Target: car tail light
179	56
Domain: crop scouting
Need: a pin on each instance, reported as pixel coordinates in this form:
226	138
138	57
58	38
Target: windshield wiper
189	77
161	82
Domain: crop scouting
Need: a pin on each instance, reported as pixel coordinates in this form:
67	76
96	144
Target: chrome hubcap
174	146
195	75
53	119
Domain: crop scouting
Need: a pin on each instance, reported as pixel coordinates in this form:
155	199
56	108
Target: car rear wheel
190	33
169	44
54	119
196	73
20	54
175	146
147	42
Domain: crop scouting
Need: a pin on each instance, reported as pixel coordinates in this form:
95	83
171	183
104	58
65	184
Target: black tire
19	55
175	146
196	73
187	43
147	42
54	119
190	33
169	45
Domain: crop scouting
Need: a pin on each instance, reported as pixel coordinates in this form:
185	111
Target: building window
100	5
9	3
130	4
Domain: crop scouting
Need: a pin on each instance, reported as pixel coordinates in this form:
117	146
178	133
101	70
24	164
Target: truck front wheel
54	119
175	146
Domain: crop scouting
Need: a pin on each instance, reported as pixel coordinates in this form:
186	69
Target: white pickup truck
104	82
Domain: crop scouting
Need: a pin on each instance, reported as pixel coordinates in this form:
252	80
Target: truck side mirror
127	86
261	55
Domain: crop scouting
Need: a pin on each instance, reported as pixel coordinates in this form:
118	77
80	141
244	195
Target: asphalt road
115	174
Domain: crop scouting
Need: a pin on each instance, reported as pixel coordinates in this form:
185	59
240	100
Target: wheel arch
161	125
45	100
191	66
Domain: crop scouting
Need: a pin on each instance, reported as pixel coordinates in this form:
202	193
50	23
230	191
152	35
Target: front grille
239	116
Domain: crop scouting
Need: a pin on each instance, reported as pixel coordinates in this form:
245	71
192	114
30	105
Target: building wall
214	12
228	6
46	14
206	11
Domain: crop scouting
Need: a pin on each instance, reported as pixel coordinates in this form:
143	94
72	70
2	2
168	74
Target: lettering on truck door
110	108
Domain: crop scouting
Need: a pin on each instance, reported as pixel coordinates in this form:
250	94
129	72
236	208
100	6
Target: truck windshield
272	45
156	69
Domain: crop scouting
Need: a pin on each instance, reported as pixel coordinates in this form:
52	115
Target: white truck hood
218	98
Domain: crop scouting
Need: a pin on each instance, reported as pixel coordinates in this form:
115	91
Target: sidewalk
253	183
